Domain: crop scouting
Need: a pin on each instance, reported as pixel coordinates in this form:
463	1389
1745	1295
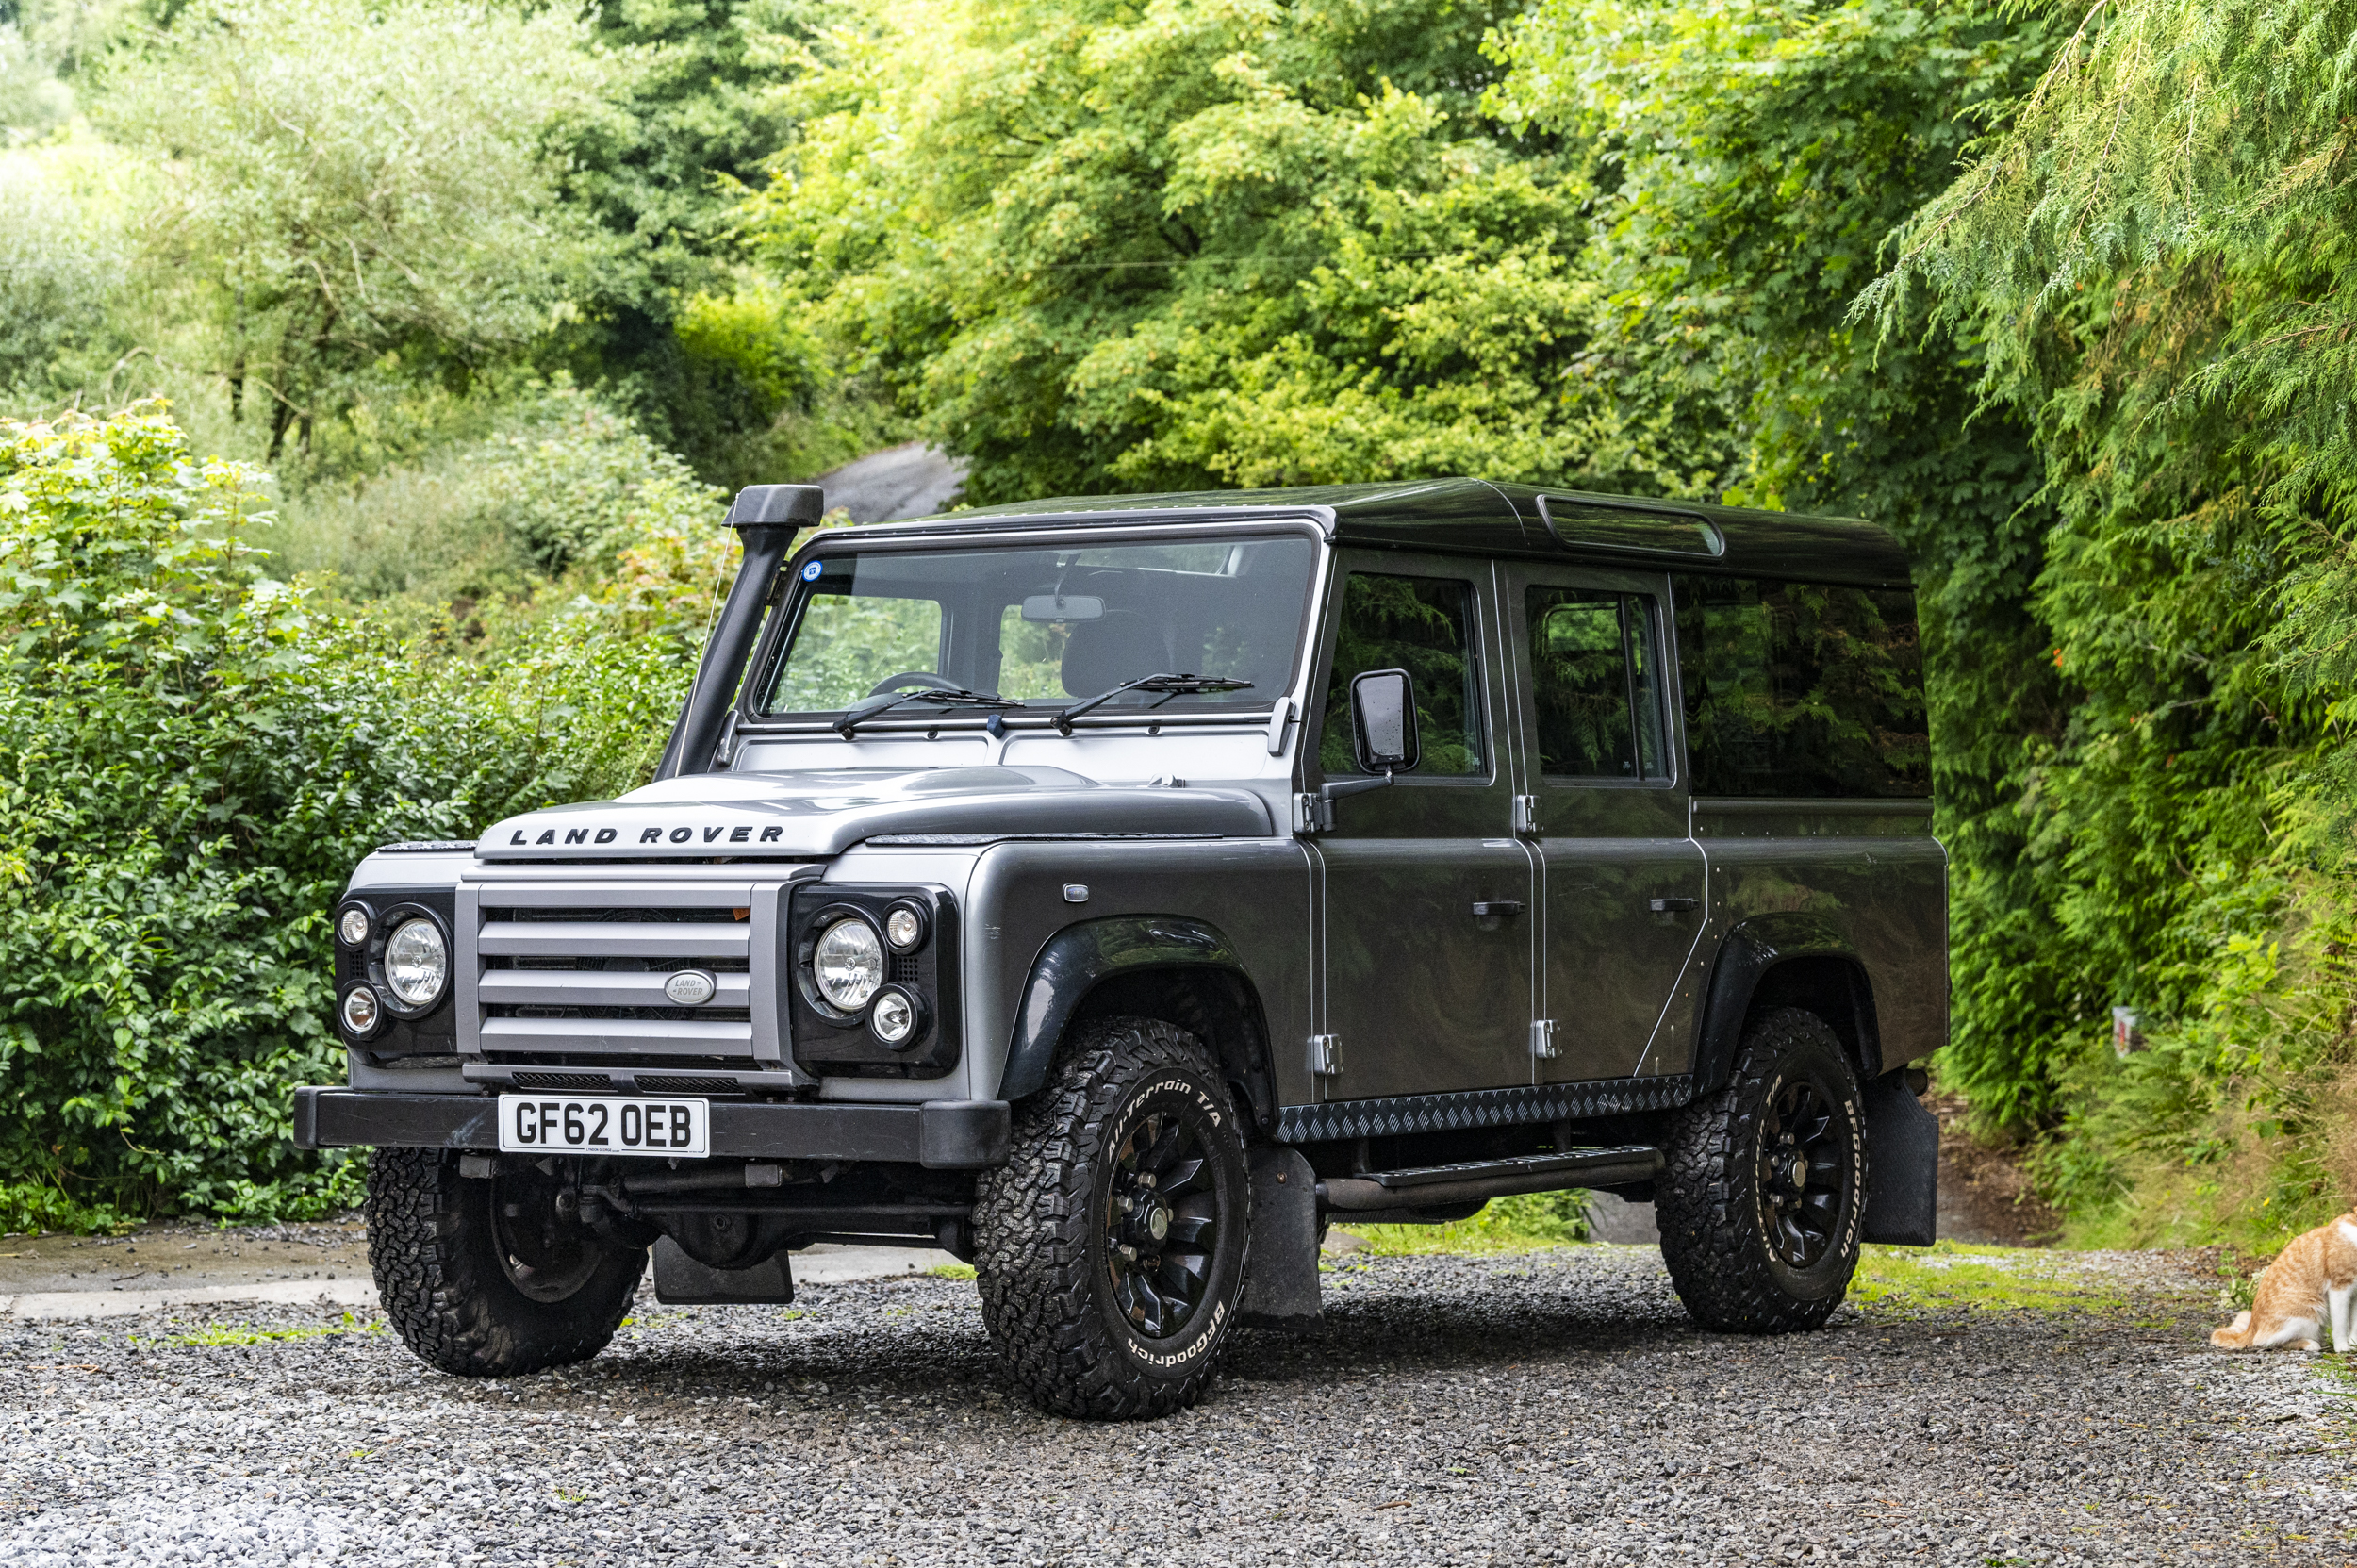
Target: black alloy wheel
1802	1171
1161	1225
543	1247
1110	1249
488	1277
1765	1192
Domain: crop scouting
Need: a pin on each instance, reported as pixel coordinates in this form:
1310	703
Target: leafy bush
198	754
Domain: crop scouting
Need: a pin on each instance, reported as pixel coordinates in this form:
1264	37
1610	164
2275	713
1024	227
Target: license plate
604	1124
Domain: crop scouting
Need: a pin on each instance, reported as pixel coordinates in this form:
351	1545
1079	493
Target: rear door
1623	881
1429	900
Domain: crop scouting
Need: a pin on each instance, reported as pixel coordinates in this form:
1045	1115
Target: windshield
1046	628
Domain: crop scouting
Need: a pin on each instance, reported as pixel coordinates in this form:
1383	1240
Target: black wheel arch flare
1786	959
1151	964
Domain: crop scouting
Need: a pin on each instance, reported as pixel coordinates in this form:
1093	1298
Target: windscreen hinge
1313	813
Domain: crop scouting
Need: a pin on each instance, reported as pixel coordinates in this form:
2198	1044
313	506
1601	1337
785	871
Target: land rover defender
1114	892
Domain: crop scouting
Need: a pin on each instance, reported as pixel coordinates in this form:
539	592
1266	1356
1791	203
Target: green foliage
196	758
352	181
1761	154
1519	1224
2153	256
63	245
1178	245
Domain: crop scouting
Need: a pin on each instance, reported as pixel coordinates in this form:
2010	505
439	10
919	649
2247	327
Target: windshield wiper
1175	684
861	712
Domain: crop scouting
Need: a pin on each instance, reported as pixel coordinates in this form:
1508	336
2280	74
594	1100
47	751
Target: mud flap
1281	1290
681	1281
1903	1163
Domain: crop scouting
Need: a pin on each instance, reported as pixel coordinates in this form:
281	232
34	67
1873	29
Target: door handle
1673	906
1487	908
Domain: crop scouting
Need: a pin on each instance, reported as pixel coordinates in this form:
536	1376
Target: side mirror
1383	721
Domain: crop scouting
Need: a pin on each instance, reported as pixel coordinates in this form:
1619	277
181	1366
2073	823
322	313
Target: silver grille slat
552	952
628	1037
611	939
595	988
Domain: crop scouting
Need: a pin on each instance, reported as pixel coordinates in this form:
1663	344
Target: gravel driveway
1554	1407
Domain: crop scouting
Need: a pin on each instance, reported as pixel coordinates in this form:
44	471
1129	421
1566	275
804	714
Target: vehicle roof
1491	519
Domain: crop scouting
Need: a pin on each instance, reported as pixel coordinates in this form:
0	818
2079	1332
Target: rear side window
1595	670
1802	690
1423	625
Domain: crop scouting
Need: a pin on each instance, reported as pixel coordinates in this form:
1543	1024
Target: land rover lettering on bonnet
1114	892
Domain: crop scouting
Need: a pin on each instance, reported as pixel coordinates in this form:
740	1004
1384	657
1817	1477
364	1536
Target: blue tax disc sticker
811	571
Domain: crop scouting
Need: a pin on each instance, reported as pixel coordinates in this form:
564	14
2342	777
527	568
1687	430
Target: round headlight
904	928
417	961
359	1010
894	1017
848	964
352	926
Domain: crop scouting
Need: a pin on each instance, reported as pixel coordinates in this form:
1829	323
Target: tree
349	183
1120	248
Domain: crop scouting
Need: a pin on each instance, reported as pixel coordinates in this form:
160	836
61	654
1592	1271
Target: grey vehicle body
1420	996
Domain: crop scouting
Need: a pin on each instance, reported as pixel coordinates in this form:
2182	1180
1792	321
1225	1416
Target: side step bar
1438	1186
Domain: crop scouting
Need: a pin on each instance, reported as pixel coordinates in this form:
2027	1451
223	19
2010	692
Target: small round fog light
360	1009
904	928
352	926
894	1017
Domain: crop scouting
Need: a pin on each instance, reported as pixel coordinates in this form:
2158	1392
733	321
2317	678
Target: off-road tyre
1048	1226
444	1281
1722	1202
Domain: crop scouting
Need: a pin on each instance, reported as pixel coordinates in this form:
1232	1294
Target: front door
1623	879
1429	900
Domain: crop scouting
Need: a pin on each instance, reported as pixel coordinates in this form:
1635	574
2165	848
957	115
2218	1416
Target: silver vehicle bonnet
815	814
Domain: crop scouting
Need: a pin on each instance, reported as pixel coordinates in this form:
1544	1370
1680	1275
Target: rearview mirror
1063	606
1383	721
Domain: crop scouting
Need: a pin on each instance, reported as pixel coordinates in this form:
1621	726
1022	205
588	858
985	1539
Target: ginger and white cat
2312	1282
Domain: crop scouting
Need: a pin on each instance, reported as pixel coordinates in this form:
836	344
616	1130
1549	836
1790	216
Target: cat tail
2233	1336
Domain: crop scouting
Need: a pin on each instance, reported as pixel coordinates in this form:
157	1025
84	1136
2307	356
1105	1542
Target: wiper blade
861	712
1176	685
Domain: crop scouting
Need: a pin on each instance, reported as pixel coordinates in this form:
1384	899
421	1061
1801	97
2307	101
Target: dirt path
1533	1409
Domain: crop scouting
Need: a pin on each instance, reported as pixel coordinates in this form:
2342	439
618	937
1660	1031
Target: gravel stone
1550	1408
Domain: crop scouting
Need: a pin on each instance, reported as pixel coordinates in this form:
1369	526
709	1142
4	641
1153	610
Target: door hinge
1326	1055
1542	1039
1526	816
1313	813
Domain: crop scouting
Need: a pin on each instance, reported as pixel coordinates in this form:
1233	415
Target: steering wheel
924	680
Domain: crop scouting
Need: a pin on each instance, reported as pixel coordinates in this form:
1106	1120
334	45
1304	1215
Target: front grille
566	974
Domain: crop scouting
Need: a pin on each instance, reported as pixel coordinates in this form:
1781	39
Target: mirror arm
1353	786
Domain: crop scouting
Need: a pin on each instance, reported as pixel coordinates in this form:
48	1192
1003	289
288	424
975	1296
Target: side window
1802	690
1423	625
1596	678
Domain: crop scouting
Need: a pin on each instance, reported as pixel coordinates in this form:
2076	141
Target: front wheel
489	1276
1761	1206
1110	1249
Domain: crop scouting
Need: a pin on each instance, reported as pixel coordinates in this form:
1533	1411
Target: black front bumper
942	1134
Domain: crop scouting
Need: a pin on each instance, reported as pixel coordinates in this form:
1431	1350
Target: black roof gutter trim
1018	522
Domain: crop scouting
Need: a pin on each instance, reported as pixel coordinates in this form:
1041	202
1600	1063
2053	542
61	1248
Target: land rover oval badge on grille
690	987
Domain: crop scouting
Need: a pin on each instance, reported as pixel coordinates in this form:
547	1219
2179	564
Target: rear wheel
1110	1249
490	1277
1761	1206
